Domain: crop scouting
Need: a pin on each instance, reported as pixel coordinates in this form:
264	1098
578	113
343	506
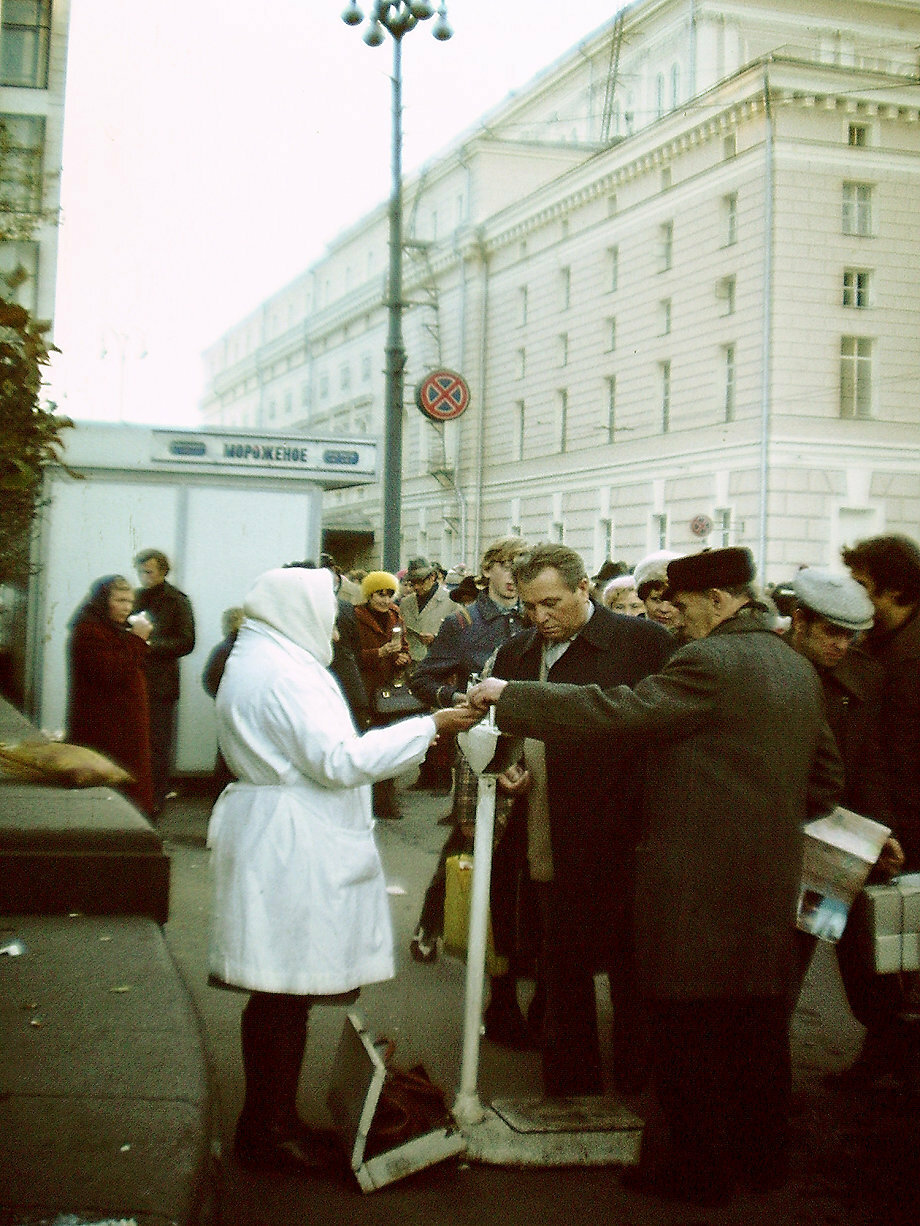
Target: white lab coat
300	901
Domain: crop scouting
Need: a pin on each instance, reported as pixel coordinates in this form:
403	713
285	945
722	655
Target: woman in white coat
300	909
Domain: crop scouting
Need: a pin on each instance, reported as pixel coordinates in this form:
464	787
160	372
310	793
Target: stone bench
105	1100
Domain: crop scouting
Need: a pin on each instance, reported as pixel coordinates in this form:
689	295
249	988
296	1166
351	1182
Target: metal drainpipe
483	398
766	334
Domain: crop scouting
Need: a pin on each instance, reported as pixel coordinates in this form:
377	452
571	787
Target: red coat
108	708
375	669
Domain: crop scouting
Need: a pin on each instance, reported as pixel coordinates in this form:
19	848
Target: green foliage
30	435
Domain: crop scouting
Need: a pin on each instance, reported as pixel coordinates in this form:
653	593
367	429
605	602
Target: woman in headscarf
108	708
301	912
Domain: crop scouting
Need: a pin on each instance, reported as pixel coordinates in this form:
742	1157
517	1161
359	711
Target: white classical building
33	64
680	271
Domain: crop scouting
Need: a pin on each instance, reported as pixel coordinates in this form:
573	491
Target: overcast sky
214	147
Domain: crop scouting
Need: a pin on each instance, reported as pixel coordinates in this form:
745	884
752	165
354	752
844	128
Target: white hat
653	569
838	598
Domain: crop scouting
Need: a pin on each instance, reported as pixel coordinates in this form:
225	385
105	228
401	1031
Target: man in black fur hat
740	755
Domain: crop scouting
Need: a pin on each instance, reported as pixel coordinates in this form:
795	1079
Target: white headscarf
298	603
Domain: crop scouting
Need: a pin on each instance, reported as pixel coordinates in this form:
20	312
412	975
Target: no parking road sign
442	395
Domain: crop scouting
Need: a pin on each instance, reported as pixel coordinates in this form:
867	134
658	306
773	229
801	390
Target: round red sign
443	395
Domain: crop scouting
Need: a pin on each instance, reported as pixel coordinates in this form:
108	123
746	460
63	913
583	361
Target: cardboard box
892	914
357	1080
457	895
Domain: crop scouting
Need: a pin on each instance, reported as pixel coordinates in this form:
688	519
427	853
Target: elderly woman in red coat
108	708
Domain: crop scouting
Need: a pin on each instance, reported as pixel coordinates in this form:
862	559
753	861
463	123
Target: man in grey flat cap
740	756
832	611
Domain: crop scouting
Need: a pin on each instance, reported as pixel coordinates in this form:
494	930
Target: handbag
395	700
410	1105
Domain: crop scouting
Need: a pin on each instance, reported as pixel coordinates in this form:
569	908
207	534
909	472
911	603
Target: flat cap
722	568
838	598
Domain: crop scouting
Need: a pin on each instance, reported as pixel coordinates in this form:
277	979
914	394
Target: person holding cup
383	657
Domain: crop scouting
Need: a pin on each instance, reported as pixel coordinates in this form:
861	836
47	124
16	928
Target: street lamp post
397	17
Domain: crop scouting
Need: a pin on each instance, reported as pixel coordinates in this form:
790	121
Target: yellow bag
57	764
457	914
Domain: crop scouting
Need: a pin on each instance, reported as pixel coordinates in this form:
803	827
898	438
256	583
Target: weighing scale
578	1131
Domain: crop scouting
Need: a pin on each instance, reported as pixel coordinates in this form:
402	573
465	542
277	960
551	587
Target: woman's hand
455	719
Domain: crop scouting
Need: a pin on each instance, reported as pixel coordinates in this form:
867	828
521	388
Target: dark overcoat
740	755
108	708
899	655
593	785
173	637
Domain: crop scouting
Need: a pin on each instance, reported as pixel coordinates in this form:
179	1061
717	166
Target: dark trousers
722	1075
162	746
273	1034
570	1047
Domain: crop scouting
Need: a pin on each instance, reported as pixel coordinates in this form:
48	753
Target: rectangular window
611	335
666	178
344	377
365	368
565	288
664	310
522	305
518	449
562	423
724	526
857	136
725	289
521	363
857	209
613	268
729	147
22	153
25	40
19	273
564	349
729	383
611	424
665	372
855	288
660	531
666	238
855	377
612	205
730	218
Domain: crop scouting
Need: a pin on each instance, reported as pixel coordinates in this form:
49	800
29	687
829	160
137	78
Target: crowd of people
671	727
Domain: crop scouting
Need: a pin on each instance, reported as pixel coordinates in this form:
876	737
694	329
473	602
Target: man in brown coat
740	755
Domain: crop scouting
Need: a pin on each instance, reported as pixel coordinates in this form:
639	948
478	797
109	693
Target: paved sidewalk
856	1159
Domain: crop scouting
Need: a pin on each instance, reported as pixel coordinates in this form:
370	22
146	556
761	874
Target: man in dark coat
740	755
592	806
173	637
888	567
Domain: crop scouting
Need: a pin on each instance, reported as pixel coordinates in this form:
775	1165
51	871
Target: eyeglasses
384	591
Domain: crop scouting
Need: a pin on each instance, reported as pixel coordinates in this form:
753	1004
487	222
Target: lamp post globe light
397	18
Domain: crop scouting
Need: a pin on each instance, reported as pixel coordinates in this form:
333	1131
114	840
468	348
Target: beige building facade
33	65
679	271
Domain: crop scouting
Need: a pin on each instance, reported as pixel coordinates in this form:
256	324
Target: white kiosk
224	506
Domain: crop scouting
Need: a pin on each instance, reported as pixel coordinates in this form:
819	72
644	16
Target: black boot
270	1134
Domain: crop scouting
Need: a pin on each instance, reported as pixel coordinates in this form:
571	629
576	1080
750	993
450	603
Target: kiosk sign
443	395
